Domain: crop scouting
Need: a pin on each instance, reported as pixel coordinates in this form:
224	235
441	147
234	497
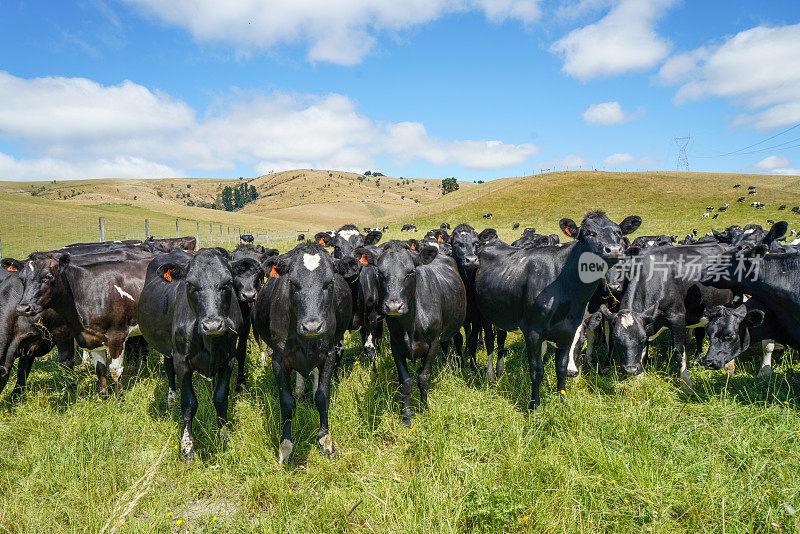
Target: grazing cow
301	237
751	192
424	301
515	226
732	330
661	293
541	291
302	312
488	216
408	228
247	266
751	187
709	208
770	222
647	241
737	186
740	199
705	216
796	209
715	216
97	300
364	288
782	207
444	226
188	311
246	238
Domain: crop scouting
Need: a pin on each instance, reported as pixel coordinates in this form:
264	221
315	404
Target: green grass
617	456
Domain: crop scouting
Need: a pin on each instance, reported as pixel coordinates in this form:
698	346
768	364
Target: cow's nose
713	363
612	250
249	296
26	310
213	326
632	369
471	261
311	328
395	307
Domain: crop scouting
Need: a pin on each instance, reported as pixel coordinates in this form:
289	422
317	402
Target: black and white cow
424	302
188	311
647	241
544	292
733	330
302	313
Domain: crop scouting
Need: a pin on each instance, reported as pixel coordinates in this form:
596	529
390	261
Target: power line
780	146
756	144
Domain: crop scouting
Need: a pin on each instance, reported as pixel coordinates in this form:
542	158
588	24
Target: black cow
740	199
408	228
732	330
247	266
661	292
737	186
188	311
444	226
425	302
488	216
97	300
246	238
303	315
782	207
463	244
541	291
301	237
530	239
515	226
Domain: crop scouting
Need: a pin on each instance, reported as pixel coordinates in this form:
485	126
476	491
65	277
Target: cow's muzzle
311	329
213	326
632	370
28	310
394	308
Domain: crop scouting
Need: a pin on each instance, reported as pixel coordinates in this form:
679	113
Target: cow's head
209	289
599	234
464	243
310	271
728	334
397	274
629	335
247	266
42	281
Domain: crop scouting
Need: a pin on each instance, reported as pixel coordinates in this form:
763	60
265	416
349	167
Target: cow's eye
589	233
48	278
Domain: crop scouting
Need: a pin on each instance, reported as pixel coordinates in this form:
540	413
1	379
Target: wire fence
21	234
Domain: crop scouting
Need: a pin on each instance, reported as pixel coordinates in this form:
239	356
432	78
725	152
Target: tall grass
617	456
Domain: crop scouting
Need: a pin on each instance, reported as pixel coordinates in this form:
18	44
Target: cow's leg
23	369
99	362
488	342
221	395
533	347
424	377
368	336
500	367
590	336
322	399
401	349
699	334
767	346
172	394
116	366
188	411
472	331
457	343
287	409
241	355
563	360
678	331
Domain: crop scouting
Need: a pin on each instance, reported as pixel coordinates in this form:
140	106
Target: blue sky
477	89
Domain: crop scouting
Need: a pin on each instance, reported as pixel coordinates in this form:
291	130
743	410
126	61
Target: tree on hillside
449	185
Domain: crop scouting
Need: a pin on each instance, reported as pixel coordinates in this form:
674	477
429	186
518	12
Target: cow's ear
777	231
323	238
276	266
487	234
365	256
754	318
171	272
225	253
630	224
593	321
63	261
426	255
554	239
10	264
649	315
606	313
373	237
569	227
347	267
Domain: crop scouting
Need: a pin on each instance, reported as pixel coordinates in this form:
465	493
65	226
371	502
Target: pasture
619	455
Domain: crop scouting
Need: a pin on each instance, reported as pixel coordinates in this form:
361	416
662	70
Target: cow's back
441	298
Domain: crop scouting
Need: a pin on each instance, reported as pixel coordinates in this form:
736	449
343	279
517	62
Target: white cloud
337	31
771	162
615	160
787	172
758	68
606	114
133	131
623	40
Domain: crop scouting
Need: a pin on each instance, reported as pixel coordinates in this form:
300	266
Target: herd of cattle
197	308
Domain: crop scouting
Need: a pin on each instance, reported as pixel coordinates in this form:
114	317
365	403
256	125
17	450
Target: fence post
197	233
229	234
177	228
1	244
211	233
102	223
220	233
147	228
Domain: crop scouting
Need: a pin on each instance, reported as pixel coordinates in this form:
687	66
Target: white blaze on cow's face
311	261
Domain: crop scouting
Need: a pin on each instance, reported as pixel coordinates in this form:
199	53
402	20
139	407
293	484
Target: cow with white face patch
424	301
302	313
188	311
97	298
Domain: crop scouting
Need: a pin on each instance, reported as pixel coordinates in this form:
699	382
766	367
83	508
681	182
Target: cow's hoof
500	368
240	387
172	399
765	373
326	446
222	435
533	406
686	383
490	376
572	373
285	451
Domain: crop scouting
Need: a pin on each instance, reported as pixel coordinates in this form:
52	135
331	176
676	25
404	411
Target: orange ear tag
568	231
413	246
440	240
168	275
322	241
274	273
363	260
11	269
